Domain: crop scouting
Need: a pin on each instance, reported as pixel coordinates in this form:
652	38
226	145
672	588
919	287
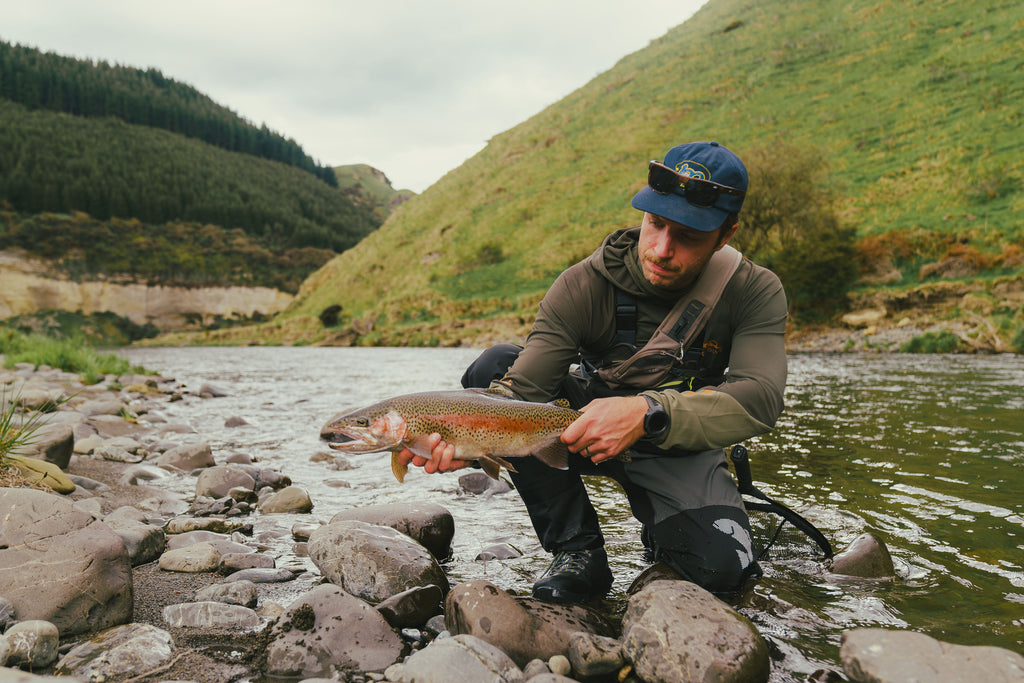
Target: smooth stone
132	647
211	614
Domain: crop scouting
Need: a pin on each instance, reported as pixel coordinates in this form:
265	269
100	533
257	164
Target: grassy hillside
916	105
370	187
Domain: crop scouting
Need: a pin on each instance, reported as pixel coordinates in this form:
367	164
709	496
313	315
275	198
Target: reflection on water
925	451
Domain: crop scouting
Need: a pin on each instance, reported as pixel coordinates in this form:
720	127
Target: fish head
366	431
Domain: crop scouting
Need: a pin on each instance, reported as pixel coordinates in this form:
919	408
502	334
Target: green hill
915	106
369	186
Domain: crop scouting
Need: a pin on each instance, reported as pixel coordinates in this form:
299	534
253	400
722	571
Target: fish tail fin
553	454
398	468
491	465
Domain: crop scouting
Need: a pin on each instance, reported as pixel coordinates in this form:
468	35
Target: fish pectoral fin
553	454
398	468
492	464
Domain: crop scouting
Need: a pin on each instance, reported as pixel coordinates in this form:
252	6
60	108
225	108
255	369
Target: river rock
875	655
290	499
372	562
181	525
53	443
430	525
233	593
677	631
215	482
524	628
114	453
208	390
187	457
32	644
412	608
112	425
192	559
234	562
260	575
132	647
60	564
866	557
138	474
42	472
8	615
326	631
144	542
593	655
211	614
460	658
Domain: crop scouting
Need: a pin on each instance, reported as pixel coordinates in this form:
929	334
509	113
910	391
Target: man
675	420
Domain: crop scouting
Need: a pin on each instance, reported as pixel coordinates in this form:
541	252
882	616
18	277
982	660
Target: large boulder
372	562
328	631
60	564
885	656
462	658
677	631
524	628
429	524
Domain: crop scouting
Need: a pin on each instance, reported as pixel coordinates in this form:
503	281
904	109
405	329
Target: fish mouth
352	442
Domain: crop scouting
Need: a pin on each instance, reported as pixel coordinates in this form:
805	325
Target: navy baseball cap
704	161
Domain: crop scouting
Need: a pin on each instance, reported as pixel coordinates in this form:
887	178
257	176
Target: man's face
673	255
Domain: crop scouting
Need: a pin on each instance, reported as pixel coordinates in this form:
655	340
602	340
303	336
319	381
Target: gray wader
691	511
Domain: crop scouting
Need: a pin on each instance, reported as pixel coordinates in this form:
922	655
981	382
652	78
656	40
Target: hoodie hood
617	260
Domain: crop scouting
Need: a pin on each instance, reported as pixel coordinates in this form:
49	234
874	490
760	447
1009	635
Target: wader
692	514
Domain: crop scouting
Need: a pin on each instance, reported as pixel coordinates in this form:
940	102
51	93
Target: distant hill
916	107
44	80
369	185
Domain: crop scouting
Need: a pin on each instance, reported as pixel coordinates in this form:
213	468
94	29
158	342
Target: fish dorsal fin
554	453
398	468
561	403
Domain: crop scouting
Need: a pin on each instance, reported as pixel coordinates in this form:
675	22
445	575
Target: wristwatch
656	419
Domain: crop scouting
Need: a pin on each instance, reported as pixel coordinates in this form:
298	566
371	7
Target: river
925	451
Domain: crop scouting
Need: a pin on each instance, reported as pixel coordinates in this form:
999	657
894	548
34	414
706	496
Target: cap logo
693	170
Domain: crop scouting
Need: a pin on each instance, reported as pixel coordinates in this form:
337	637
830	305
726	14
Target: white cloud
410	87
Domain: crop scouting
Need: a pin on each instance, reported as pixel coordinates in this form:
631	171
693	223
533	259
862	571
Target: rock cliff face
27	286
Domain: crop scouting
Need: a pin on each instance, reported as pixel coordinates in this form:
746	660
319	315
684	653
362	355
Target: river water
924	451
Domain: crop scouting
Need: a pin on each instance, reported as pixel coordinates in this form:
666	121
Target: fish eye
362	422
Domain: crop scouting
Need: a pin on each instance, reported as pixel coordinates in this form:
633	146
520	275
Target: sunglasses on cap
697	191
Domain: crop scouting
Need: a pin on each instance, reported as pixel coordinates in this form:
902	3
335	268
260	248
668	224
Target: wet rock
81	563
328	630
215	482
109	426
524	628
208	390
113	453
502	551
883	656
137	474
412	608
235	421
100	407
32	644
460	658
677	631
281	575
181	525
211	615
8	614
430	525
659	571
192	559
536	667
372	562
234	593
478	483
187	457
221	541
301	531
866	557
592	655
234	562
290	499
268	477
133	647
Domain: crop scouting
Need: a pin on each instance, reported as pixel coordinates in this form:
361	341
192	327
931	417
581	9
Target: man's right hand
442	457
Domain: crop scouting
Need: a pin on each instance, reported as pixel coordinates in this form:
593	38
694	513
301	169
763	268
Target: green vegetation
174	253
70	354
933	342
107	168
43	80
104	329
915	107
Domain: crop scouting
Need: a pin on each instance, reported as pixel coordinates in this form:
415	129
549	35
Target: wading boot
575	576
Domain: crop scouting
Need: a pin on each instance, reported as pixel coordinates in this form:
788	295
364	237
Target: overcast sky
413	88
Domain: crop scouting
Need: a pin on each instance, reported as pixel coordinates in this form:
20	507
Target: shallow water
927	452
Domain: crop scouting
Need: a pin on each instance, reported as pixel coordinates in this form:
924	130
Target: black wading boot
575	576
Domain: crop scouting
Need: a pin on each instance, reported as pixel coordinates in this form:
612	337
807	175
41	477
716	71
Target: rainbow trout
484	425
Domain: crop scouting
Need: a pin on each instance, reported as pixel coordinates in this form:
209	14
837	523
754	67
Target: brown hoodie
743	340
